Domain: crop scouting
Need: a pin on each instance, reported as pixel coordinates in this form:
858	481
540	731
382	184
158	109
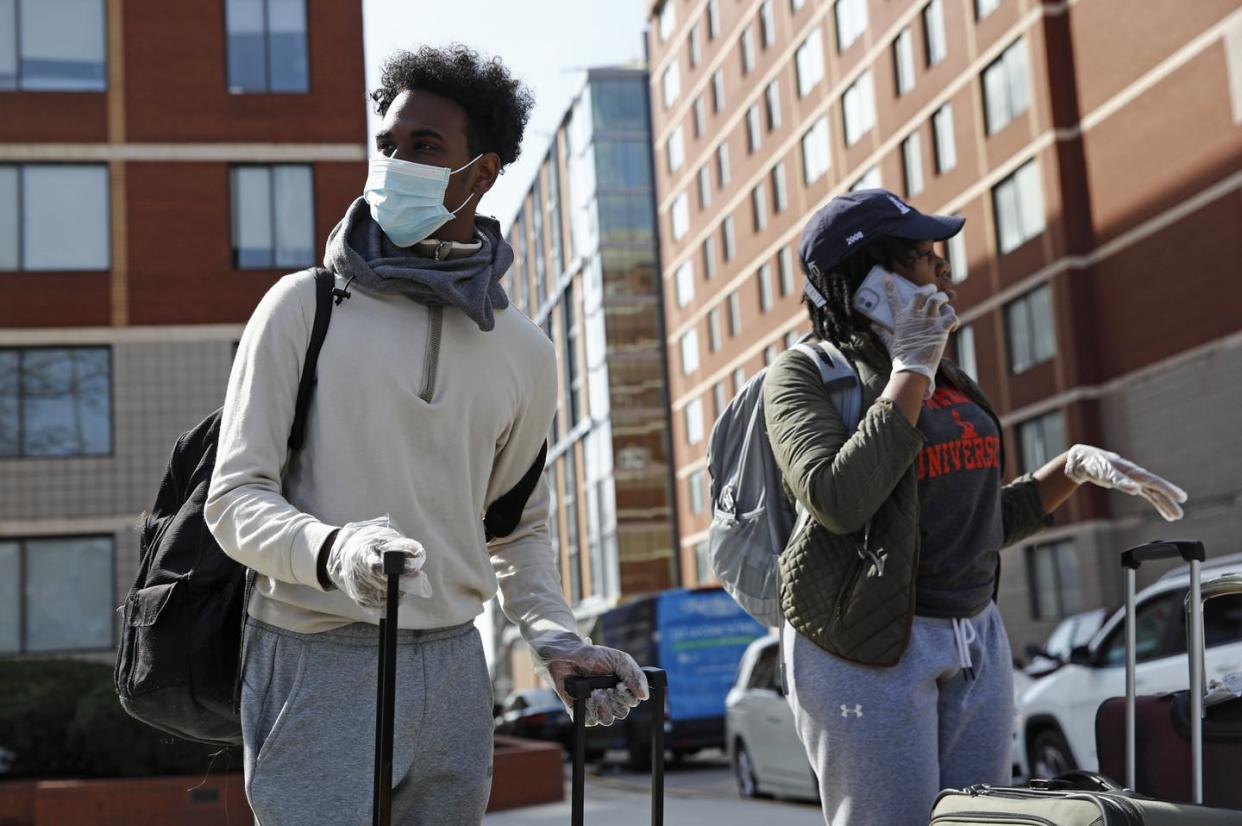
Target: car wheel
1048	755
744	771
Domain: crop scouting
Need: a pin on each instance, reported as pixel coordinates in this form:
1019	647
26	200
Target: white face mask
407	199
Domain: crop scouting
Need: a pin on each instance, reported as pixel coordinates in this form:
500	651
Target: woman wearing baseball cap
896	661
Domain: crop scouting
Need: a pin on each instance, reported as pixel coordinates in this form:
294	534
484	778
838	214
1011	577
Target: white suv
1056	714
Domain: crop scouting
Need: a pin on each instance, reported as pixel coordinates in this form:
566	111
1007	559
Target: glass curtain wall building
586	271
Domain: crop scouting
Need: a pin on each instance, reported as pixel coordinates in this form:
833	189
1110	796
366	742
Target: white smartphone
871	301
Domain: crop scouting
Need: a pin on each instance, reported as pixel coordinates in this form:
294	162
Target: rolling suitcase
1161	727
579	688
1082	799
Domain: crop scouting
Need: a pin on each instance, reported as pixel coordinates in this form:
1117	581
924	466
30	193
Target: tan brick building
1095	148
161	165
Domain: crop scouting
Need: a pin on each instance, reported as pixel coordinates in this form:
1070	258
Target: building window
955	251
700	117
933	32
668	19
671	84
685	283
815	157
680	216
851	21
41	52
694	486
780	192
726	230
718	92
748	49
37	203
694	422
966	351
720	397
1056	587
722	165
572	553
858	106
1030	329
713	331
739	379
713	18
690	352
759	206
791	338
983	8
519	263
945	145
56	594
869	180
772	100
912	161
795	6
273	217
1005	87
705	188
55	401
735	314
767	23
695	47
676	149
1018	202
769	355
573	376
766	298
709	258
754	133
267	46
903	61
809	62
785	262
1041	439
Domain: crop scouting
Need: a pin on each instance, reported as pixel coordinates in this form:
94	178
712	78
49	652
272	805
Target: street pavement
700	792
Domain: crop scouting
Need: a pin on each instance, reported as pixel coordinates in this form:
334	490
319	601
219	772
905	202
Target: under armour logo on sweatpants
846	711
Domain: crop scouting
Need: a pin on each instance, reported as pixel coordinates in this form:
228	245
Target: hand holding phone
914	322
871	299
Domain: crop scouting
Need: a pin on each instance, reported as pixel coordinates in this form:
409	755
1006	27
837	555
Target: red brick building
161	165
1095	148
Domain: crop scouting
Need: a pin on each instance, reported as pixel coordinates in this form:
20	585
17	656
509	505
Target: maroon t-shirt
959	498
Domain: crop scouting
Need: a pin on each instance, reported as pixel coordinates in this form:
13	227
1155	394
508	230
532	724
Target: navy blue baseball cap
856	218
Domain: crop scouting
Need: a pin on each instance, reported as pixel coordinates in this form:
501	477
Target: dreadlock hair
836	321
497	104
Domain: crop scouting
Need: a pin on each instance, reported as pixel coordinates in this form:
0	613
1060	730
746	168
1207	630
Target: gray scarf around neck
358	249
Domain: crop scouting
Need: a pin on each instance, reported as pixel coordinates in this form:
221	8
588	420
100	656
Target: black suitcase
579	688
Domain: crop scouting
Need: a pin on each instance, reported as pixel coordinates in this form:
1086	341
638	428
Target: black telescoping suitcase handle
1192	551
386	691
579	688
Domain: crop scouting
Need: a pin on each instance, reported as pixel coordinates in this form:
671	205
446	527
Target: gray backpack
752	520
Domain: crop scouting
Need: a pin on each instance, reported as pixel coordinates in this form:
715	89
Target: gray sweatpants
308	722
884	741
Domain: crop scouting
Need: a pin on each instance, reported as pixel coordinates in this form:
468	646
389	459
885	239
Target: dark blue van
697	636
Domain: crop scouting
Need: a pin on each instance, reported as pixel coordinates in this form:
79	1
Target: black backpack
178	667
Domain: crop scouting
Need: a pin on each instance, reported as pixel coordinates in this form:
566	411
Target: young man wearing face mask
426	434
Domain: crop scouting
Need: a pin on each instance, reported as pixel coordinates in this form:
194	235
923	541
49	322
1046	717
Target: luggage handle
579	688
386	691
1191	551
1188	549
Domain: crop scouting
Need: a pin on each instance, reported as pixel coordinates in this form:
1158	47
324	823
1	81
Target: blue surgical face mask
407	199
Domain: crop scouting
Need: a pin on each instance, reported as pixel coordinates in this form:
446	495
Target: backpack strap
325	280
840	379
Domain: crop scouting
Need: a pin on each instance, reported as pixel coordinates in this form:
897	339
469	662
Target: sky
545	43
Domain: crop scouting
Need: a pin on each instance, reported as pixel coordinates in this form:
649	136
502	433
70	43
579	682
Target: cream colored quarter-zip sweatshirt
427	430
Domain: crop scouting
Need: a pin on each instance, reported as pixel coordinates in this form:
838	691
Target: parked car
536	714
762	742
1071	632
1056	715
697	636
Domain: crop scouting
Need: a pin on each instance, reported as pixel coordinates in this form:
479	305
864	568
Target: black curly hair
497	104
836	321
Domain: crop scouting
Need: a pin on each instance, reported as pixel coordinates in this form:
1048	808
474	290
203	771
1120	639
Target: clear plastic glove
920	331
1084	463
563	655
356	562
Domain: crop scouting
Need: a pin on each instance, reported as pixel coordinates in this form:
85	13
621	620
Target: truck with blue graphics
697	636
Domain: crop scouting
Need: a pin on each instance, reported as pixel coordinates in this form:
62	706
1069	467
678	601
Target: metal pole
657	751
579	756
1131	743
1195	645
379	729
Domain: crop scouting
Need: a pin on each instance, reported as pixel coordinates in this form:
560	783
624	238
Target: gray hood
357	249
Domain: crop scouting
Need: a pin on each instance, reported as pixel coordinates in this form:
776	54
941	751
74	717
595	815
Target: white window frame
809	62
851	20
730	238
759	206
767	24
679	216
690	351
694	422
780	189
709	258
735	314
713	19
1030	329
33	224
1006	87
984	8
912	164
766	298
705	187
934	36
754	130
747	47
668	19
966	351
1040	439
713	329
955	247
903	61
671	84
816	153
785	257
772	101
684	280
858	108
718	91
1018	207
695	46
870	180
676	150
722	165
700	117
945	144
